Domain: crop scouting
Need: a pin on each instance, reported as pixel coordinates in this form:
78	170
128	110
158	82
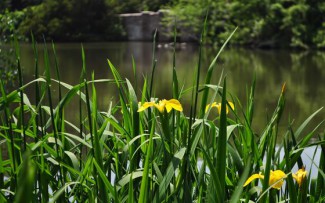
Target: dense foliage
63	20
68	20
8	70
262	23
278	23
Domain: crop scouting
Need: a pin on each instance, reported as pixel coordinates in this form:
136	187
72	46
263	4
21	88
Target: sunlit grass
145	149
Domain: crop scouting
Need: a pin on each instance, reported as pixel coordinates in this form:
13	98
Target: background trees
63	20
262	23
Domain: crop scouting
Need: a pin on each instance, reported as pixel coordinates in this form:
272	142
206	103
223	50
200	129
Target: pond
303	73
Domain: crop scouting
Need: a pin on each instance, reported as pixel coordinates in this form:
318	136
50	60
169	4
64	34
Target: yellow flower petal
276	178
173	104
218	106
162	104
300	176
214	104
232	106
253	177
146	105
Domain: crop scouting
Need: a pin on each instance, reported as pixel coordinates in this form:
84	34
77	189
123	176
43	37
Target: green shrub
9	23
279	23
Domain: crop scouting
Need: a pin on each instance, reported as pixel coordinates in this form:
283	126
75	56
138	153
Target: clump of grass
142	150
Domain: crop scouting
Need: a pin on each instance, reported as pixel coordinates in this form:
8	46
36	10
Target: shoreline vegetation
262	24
146	149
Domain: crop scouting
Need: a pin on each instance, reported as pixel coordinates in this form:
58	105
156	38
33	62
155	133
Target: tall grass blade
60	123
2	170
222	144
11	142
173	165
97	148
291	187
239	189
135	75
57	71
175	80
198	69
43	185
215	194
26	180
81	82
21	93
134	123
250	109
154	63
305	123
131	194
51	106
107	186
209	75
143	196
320	183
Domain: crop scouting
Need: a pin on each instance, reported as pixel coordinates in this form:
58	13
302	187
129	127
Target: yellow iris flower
162	105
218	106
300	175
276	178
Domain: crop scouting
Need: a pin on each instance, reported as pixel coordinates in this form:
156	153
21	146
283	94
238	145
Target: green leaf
305	123
222	144
106	182
73	158
26	181
230	129
170	172
209	74
61	191
214	179
77	138
127	178
144	183
239	189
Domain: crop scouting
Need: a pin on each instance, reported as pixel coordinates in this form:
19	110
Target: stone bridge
141	27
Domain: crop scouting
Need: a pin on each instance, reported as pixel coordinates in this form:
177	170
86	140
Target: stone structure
141	27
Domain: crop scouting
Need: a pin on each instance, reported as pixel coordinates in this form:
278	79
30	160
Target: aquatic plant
134	153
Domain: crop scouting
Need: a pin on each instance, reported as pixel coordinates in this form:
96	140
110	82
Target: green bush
71	21
9	23
279	23
65	20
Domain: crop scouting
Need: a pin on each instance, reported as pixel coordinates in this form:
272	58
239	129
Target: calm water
303	72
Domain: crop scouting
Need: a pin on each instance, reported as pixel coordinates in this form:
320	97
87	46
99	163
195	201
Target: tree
261	23
71	20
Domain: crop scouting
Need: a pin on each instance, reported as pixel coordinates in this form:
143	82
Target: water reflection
303	73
